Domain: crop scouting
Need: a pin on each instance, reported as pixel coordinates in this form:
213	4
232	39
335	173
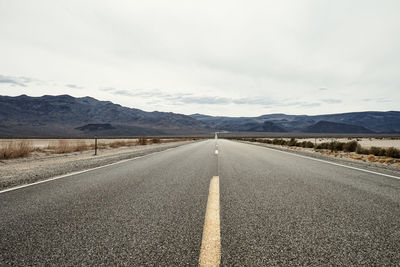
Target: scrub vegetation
351	146
23	148
17	149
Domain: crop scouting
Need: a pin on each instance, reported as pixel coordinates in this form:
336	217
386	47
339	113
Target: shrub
265	141
350	146
361	150
392	152
302	144
142	141
292	142
280	142
338	146
155	140
323	146
377	151
16	150
308	144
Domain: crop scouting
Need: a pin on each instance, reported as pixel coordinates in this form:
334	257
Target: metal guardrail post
95	145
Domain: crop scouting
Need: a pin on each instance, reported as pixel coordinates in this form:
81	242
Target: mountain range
64	115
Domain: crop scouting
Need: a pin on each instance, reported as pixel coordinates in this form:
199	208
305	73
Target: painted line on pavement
79	172
333	163
210	253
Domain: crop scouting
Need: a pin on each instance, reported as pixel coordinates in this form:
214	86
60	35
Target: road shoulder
33	169
371	166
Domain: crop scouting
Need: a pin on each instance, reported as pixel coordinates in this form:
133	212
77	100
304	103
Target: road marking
216	152
79	172
210	253
336	164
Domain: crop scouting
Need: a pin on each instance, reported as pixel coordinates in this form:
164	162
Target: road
275	209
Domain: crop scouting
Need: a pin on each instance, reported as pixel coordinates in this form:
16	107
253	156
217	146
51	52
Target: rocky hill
65	115
335	127
363	122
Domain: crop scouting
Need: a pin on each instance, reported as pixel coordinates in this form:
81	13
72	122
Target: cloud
122	92
157	96
309	105
20	81
107	89
254	101
377	100
235	57
177	98
202	100
73	86
331	101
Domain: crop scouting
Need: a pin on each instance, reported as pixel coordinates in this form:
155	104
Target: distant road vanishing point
213	202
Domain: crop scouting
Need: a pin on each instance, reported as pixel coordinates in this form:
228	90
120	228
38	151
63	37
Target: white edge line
329	162
79	172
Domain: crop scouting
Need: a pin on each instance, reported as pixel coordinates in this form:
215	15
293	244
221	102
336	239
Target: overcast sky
234	58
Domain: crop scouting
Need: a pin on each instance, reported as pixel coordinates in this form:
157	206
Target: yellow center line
210	253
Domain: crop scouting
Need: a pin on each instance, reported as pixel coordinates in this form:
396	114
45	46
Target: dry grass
371	158
116	144
155	140
142	141
66	146
81	146
16	150
385	155
63	146
389	161
356	157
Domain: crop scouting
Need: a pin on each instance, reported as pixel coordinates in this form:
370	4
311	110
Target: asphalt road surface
275	209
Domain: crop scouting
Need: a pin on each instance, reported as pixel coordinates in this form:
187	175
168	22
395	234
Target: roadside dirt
39	166
364	142
350	159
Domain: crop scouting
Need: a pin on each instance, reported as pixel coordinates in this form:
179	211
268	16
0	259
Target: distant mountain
371	121
65	115
335	127
95	127
384	122
269	126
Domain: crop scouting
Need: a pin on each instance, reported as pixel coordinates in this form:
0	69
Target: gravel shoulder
373	166
39	166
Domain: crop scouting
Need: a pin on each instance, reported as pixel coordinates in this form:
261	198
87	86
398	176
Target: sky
230	58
